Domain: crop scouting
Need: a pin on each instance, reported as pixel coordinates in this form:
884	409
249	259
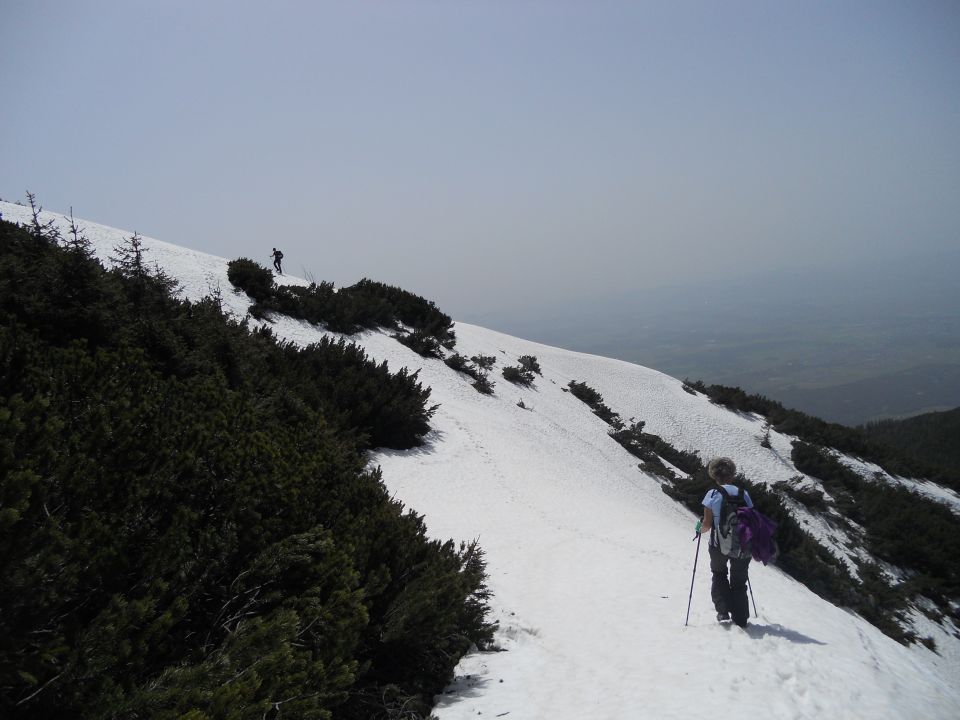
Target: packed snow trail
590	561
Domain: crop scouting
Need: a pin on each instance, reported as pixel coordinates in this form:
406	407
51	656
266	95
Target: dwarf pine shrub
530	364
484	361
457	362
421	343
367	304
190	527
254	279
591	397
482	384
518	375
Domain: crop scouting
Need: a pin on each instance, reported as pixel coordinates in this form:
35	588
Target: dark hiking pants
729	595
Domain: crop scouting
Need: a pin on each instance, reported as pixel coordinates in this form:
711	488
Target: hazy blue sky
494	153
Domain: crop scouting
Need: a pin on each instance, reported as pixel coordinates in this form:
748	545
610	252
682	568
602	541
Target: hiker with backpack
721	520
277	257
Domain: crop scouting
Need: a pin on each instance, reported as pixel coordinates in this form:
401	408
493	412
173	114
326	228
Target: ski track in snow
590	561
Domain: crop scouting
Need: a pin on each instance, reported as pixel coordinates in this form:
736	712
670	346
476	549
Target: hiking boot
723	616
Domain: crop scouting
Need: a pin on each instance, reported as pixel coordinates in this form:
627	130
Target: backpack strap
728	496
735	501
715	529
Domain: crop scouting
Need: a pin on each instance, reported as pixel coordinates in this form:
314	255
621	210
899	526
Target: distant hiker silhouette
277	257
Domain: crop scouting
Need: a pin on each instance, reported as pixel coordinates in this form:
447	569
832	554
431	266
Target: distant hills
892	395
935	437
847	344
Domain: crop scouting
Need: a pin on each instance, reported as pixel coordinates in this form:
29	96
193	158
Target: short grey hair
722	469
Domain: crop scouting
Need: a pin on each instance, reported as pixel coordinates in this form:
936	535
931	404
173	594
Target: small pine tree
421	343
529	363
129	258
484	361
457	362
518	375
41	231
482	384
591	397
216	297
77	244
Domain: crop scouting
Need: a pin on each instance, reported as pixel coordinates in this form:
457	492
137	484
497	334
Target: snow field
588	552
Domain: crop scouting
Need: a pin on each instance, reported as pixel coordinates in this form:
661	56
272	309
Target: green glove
699	525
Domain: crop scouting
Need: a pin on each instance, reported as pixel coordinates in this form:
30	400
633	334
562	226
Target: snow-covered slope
591	562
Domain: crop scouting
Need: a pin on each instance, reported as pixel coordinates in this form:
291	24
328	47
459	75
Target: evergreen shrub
421	343
482	384
591	397
530	364
458	362
902	527
189	526
255	280
809	497
518	375
367	304
485	362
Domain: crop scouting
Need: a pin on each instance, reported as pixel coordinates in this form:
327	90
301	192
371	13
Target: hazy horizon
495	156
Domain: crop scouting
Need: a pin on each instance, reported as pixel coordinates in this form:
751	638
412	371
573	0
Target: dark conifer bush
651	448
367	304
421	343
188	524
518	375
254	279
485	362
842	483
458	362
631	437
901	526
809	497
587	394
530	364
411	310
591	397
482	384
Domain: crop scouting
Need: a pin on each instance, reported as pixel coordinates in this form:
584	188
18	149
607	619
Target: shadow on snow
759	631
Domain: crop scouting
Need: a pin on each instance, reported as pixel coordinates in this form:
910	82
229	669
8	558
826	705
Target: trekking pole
750	587
690	599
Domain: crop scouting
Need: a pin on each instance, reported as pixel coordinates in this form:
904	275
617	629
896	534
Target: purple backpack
756	532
